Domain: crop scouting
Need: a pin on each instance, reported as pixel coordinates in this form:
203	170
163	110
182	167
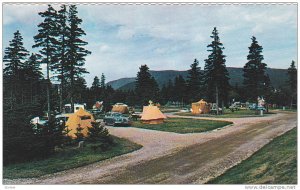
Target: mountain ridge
278	77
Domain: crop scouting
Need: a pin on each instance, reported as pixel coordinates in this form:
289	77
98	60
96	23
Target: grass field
67	159
228	114
183	125
275	163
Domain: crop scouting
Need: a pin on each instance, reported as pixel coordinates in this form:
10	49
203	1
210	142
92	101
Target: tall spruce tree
76	53
46	40
194	82
102	83
33	76
15	56
96	89
14	59
62	37
216	77
255	72
96	83
146	88
292	81
33	67
180	89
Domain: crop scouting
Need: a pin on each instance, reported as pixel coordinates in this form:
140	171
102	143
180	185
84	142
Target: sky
167	37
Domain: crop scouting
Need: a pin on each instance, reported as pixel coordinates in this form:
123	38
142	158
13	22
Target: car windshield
116	114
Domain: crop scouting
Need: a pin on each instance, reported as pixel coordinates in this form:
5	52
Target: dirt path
177	158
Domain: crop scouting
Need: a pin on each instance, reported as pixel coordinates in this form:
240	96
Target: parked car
115	118
252	106
184	110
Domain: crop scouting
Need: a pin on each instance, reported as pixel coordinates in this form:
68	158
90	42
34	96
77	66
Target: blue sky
168	37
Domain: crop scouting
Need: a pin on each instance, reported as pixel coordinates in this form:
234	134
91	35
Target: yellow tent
201	107
121	108
80	118
152	115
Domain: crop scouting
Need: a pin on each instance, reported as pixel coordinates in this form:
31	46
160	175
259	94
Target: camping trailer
76	107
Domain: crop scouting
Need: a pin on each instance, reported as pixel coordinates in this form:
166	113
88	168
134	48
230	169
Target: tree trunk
222	106
292	102
61	96
48	83
72	94
217	99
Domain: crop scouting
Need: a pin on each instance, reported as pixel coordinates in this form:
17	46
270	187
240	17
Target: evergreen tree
102	83
62	37
15	57
80	90
76	53
46	40
254	72
33	77
33	68
163	93
98	133
292	81
216	77
96	83
79	134
180	89
194	82
96	89
131	98
146	88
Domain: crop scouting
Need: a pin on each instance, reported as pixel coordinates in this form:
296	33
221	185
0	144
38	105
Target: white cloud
122	38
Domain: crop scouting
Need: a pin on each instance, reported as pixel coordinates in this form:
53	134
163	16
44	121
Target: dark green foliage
292	76
216	77
146	88
194	82
255	77
61	50
292	82
99	134
76	53
96	83
102	83
23	141
79	135
33	69
14	56
66	159
46	40
79	90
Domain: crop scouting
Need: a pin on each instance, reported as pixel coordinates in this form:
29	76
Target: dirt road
171	158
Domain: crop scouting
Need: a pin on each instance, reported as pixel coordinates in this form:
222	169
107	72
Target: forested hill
278	77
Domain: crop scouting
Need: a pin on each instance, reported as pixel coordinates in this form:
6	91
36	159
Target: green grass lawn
228	114
183	125
275	163
67	159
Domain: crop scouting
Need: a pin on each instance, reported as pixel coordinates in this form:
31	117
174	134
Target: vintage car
116	119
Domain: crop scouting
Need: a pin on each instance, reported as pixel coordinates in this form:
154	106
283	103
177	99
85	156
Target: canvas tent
120	107
152	115
201	107
98	105
80	118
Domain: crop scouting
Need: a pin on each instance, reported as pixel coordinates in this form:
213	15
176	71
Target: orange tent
80	118
201	107
121	108
152	115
